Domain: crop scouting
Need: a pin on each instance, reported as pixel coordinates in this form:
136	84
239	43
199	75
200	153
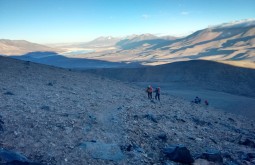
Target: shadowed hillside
198	73
51	116
55	59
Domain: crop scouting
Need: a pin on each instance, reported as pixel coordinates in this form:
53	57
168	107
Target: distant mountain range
232	41
103	42
229	41
136	41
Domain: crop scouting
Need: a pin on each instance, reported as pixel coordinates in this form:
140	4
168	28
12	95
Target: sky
62	21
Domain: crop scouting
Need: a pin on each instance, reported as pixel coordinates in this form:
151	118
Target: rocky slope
57	116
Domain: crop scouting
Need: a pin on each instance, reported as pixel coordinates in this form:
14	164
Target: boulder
178	153
247	156
9	156
212	156
247	142
8	93
251	155
16	162
45	107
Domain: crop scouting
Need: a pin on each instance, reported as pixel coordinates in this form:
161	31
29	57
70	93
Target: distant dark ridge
58	60
201	73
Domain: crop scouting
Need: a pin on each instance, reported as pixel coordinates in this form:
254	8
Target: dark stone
247	156
45	107
50	84
9	93
213	141
251	155
162	137
230	119
168	163
1	124
151	117
231	163
247	142
136	117
227	155
178	153
212	156
129	147
138	149
242	155
145	135
1	127
10	156
191	138
16	162
200	122
92	119
179	120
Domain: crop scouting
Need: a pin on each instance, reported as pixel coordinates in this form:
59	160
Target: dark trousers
157	96
149	95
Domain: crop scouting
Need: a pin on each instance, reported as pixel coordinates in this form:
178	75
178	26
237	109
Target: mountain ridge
227	42
19	47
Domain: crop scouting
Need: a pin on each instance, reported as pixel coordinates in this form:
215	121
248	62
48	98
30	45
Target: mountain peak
103	38
146	36
236	24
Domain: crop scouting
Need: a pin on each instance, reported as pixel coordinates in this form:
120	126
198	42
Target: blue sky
60	21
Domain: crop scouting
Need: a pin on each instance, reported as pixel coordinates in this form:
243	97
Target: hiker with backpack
157	91
197	100
206	103
149	91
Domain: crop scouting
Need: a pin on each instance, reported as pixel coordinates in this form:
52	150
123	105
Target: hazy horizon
52	21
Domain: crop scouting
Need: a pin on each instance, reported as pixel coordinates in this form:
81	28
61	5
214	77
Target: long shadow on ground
55	59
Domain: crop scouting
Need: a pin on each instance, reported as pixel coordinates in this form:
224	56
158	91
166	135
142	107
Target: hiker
149	91
157	91
197	100
206	103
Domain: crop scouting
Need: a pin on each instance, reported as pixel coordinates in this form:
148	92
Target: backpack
158	90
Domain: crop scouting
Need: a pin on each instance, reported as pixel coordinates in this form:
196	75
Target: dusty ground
57	116
232	103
